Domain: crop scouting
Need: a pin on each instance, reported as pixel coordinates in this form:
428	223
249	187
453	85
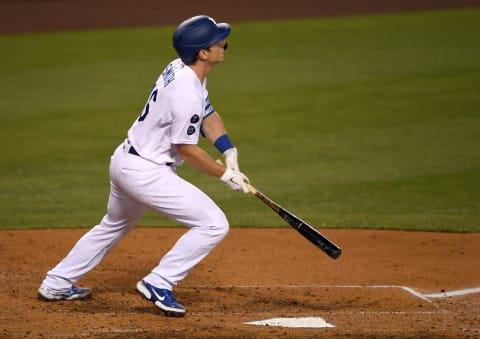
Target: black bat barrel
318	240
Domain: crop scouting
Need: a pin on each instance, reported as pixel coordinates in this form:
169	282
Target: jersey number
153	97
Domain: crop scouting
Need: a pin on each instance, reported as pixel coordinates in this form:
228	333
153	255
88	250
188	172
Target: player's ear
202	54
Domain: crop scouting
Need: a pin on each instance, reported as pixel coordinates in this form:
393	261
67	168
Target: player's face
216	51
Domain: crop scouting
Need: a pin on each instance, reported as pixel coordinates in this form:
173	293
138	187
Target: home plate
305	322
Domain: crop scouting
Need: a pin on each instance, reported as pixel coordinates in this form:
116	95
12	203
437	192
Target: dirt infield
377	288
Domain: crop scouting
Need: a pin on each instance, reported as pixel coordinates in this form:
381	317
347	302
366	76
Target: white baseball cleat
75	293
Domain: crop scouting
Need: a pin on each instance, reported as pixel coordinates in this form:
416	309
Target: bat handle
252	189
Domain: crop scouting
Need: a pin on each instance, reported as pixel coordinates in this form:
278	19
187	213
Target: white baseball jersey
172	115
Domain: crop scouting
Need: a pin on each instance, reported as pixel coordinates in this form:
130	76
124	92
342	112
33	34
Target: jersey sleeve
186	122
208	108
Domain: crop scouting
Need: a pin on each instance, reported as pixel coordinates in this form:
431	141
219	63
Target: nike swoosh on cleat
158	297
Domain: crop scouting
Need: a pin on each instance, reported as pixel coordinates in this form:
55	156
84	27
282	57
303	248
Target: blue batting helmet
197	33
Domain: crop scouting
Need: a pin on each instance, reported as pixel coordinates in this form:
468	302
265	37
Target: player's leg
208	227
181	201
88	252
122	215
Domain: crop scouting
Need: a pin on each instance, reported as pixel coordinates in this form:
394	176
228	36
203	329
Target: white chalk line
447	294
423	296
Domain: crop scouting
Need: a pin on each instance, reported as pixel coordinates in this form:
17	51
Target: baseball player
143	174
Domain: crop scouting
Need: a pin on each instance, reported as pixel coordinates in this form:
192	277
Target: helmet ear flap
197	33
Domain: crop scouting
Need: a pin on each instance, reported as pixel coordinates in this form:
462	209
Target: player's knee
219	227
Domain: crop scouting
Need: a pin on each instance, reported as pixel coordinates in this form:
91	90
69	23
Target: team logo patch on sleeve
195	118
191	130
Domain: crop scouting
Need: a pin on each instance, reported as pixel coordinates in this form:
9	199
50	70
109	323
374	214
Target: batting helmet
197	33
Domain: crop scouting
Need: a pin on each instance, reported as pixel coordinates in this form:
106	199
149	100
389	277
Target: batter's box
348	310
288	300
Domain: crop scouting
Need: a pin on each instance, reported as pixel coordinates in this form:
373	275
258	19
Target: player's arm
214	130
213	127
202	161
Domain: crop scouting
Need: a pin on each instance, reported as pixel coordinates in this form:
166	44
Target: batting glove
231	158
235	180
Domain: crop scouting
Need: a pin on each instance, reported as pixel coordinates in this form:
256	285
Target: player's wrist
223	143
231	158
231	152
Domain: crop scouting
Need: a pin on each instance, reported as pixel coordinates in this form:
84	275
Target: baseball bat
302	227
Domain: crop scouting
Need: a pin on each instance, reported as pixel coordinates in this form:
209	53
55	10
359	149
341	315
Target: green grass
354	122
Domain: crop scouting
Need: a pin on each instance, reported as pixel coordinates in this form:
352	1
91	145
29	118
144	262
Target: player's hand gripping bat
305	229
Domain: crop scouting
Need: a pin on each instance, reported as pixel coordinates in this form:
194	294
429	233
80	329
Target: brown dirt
254	274
17	16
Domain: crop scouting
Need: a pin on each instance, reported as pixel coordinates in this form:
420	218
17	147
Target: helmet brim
223	31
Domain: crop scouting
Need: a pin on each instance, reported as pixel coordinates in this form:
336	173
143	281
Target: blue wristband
223	143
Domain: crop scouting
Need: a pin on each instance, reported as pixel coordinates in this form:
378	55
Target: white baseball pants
136	186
